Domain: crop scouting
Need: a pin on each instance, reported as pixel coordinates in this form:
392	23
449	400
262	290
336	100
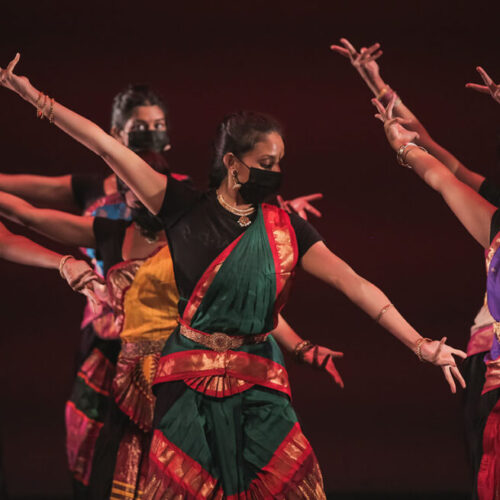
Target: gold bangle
39	106
41	113
300	349
382	92
403	152
418	347
382	312
61	264
51	111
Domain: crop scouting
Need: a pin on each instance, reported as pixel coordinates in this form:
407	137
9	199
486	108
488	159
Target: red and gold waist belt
221	342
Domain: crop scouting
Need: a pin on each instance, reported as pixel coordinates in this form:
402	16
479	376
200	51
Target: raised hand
440	354
301	205
490	86
396	134
364	61
322	358
11	81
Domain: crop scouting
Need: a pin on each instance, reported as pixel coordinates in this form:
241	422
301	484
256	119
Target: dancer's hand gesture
440	354
396	134
322	358
11	81
83	279
364	61
490	86
301	205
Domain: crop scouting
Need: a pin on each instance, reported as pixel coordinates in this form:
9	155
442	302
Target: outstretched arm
40	188
365	62
77	273
473	211
22	250
60	226
322	263
147	184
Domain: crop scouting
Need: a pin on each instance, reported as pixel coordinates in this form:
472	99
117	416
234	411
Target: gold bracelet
39	105
61	264
403	152
41	114
300	349
418	347
382	312
51	111
382	92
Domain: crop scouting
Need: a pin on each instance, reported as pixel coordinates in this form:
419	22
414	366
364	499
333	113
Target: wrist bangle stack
301	348
61	264
418	348
403	152
382	312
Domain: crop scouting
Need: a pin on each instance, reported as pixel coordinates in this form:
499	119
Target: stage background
395	427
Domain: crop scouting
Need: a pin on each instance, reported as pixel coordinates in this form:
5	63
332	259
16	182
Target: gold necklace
244	220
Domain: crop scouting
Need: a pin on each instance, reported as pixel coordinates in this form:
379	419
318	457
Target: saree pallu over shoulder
240	293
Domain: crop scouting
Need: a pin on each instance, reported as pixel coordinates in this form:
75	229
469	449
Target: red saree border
206	280
237	364
80	451
97	372
480	341
489	469
169	459
96	388
492	376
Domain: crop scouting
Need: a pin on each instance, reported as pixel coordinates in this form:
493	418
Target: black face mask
148	140
261	185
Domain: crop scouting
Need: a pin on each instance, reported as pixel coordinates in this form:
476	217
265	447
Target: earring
236	182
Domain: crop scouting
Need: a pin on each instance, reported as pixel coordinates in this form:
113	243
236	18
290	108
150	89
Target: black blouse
87	188
109	235
199	229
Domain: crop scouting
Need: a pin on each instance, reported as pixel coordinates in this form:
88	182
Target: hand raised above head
11	81
364	61
396	134
490	86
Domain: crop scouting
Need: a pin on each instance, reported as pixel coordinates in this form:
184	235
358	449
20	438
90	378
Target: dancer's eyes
160	125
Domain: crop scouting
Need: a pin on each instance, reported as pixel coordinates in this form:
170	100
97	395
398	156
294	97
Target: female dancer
107	436
365	62
224	422
482	220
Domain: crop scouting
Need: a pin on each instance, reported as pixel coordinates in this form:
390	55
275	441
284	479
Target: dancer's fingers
479	88
456	373
332	370
390	107
459	353
379	117
379	106
449	378
302	213
336	354
486	78
373	58
312	197
312	210
347	44
340	50
12	64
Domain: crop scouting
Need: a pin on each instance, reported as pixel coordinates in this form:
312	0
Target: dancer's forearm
39	188
21	250
60	226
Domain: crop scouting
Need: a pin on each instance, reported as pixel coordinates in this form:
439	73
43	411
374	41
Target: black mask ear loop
237	183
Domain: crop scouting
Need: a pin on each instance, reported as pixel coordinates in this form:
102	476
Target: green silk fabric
241	298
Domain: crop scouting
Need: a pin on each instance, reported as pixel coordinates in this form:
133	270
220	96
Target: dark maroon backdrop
395	426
